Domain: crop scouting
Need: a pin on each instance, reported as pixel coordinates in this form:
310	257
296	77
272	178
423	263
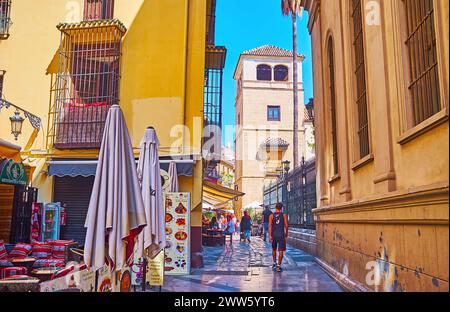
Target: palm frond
289	7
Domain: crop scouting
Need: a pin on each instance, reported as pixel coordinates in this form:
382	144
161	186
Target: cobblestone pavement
242	267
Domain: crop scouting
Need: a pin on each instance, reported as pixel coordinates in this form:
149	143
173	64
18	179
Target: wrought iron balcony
87	83
5	18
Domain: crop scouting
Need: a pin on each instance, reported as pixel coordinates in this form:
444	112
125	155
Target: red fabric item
11	271
59	248
41	250
20	251
3	252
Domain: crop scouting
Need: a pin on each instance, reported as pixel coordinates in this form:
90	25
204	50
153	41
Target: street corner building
381	77
156	59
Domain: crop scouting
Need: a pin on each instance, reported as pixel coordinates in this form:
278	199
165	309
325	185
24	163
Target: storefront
16	196
73	180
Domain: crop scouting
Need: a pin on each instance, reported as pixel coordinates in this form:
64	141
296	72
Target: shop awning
9	150
218	195
86	168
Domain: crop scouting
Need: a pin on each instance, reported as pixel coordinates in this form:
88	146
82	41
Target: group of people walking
275	224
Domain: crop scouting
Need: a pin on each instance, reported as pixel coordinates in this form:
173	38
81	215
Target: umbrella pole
144	274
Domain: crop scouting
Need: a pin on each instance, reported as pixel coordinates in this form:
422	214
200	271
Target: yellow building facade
160	82
381	82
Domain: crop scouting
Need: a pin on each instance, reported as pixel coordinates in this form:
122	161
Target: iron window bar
333	106
360	79
98	10
422	51
5	18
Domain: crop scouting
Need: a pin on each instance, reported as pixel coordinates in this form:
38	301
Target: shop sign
12	172
155	273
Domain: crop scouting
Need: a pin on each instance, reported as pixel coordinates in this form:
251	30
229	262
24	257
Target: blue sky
246	24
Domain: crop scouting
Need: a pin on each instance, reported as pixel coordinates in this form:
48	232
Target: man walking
265	219
278	232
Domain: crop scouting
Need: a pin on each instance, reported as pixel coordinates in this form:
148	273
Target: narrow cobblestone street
242	267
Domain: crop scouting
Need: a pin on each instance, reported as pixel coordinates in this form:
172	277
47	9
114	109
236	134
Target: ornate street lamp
17	120
16	124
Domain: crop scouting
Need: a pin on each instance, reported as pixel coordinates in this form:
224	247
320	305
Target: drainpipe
186	43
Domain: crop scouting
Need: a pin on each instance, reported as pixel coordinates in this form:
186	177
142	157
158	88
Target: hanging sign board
178	234
12	172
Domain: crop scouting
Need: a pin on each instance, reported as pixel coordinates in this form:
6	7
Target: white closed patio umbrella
173	174
116	211
152	240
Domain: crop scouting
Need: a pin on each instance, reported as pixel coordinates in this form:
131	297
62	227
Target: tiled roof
270	50
275	143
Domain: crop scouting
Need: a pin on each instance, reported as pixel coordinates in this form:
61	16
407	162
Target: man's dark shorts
279	243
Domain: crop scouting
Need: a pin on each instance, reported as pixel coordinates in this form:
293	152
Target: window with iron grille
5	18
87	85
2	75
360	79
423	64
98	9
333	106
264	72
273	113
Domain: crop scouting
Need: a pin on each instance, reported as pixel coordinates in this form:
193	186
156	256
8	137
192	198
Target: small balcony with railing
5	18
87	80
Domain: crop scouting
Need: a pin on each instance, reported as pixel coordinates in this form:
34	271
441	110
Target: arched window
332	89
264	72
281	73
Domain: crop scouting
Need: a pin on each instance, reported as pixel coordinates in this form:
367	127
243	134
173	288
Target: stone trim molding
431	195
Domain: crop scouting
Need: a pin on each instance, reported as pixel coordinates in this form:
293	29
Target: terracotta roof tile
275	143
269	50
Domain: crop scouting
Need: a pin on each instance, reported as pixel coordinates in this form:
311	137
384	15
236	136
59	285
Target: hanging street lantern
286	167
16	124
17	120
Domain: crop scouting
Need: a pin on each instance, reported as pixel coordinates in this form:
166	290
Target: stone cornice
313	7
413	198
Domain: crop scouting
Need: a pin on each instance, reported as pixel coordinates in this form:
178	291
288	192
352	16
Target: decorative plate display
169	217
181	236
180	209
168	231
181	221
180	249
168	260
180	263
168	245
169	269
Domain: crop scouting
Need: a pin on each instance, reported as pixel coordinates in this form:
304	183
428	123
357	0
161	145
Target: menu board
178	234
